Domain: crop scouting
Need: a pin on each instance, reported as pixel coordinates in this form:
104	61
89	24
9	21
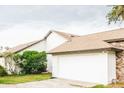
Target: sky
22	24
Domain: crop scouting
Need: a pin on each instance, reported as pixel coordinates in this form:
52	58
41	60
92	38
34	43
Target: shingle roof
67	36
21	47
91	42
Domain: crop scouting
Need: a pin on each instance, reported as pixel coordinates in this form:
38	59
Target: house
51	40
97	58
2	60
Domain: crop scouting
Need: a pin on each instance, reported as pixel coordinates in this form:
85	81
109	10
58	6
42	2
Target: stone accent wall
120	66
119	61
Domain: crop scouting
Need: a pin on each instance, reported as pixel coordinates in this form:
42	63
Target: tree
116	14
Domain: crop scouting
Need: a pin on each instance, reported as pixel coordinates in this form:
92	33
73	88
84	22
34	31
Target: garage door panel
83	67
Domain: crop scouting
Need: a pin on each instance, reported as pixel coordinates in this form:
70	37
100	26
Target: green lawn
15	79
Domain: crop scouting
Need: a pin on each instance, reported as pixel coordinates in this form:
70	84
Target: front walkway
51	83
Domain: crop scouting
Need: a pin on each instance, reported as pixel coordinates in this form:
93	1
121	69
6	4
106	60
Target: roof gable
21	47
67	36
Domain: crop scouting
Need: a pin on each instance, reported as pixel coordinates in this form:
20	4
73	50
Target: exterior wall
55	67
87	66
49	63
2	61
53	41
111	66
10	66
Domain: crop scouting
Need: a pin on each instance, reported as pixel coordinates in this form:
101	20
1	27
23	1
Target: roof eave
114	40
25	47
51	52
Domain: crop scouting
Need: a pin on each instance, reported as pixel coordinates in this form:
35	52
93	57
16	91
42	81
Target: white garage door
90	67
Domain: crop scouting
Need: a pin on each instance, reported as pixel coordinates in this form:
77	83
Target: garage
95	67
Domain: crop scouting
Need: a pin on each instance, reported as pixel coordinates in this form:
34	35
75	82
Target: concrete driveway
51	83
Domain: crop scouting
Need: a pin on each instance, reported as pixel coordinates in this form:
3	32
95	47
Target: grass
15	79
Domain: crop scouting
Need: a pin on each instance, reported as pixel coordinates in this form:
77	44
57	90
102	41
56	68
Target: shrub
2	71
31	62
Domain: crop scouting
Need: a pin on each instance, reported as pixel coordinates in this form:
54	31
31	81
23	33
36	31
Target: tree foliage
31	62
116	14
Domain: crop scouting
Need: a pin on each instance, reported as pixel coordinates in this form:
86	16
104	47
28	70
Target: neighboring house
97	58
50	41
2	60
